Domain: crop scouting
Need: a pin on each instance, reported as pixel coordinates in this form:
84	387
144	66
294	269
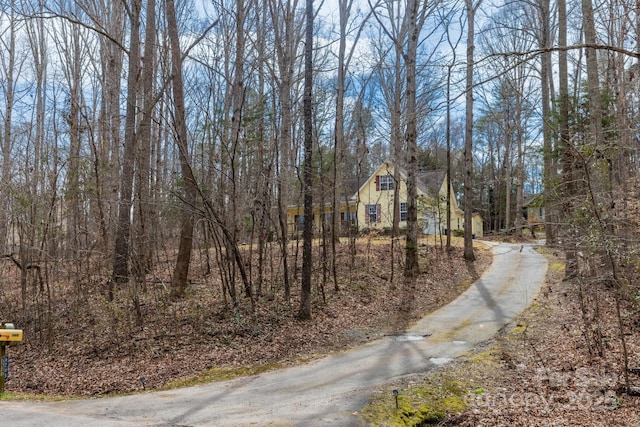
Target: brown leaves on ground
99	347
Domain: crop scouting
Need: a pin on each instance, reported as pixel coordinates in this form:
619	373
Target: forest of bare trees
137	133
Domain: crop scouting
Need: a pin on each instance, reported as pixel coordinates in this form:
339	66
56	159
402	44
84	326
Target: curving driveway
325	392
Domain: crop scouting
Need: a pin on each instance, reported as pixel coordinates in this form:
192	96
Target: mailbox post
9	335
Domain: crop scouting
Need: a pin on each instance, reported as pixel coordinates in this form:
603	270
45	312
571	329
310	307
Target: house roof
351	186
431	182
428	182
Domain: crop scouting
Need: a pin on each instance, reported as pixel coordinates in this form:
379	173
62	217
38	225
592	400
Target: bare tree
10	69
593	78
453	44
392	77
287	30
238	101
107	151
121	257
344	60
564	143
545	40
406	34
416	16
183	259
307	260
38	39
264	176
145	218
468	139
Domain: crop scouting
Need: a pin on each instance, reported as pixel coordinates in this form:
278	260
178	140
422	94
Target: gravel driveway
326	392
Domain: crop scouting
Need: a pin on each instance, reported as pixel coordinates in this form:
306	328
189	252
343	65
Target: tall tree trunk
123	231
392	88
548	158
265	167
183	259
344	7
41	211
453	47
397	134
595	102
468	142
448	183
565	146
237	119
593	79
73	196
38	41
412	268
110	120
9	95
307	260
506	170
520	165
284	27
146	213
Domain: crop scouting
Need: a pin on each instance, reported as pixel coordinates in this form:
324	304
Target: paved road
325	392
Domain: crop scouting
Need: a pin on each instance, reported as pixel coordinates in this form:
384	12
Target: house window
372	214
403	211
348	216
387	182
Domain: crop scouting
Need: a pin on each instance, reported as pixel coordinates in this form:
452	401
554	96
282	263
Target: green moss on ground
430	402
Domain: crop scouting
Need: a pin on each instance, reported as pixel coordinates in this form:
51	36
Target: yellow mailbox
9	334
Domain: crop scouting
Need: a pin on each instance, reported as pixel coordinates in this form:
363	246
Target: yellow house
323	212
367	203
374	201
